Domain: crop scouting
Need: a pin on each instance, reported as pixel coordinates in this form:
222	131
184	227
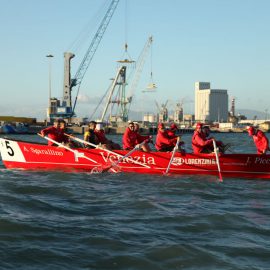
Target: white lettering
263	161
130	160
46	152
193	161
151	160
105	158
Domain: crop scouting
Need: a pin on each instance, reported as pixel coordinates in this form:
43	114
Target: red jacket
55	134
132	138
129	139
260	141
101	136
163	140
199	142
141	138
171	133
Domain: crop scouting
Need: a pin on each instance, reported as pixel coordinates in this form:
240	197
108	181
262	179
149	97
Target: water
53	220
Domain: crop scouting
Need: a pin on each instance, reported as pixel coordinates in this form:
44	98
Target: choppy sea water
55	220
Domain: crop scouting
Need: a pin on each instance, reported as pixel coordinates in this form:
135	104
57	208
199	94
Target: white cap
99	126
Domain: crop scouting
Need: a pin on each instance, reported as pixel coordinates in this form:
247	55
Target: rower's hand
149	140
61	145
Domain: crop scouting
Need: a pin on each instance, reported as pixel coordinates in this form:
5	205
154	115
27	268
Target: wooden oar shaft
173	153
217	159
67	148
138	146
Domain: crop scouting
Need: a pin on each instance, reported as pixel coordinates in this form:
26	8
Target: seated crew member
90	135
172	131
164	142
136	127
200	144
66	139
55	133
260	140
210	148
141	138
101	139
131	138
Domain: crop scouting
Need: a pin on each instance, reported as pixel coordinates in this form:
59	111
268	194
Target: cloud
85	99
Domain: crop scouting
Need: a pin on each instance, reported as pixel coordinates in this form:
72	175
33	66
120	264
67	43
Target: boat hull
34	156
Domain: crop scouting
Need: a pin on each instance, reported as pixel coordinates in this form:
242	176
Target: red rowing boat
35	156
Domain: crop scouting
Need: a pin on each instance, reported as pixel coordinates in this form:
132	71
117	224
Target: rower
200	143
172	131
260	140
101	139
90	136
210	148
164	141
55	133
141	138
131	138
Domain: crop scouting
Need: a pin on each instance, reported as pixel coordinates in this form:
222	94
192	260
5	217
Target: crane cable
92	49
95	110
87	31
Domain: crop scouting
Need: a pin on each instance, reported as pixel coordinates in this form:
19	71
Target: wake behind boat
36	156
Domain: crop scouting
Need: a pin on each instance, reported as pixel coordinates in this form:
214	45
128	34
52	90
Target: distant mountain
251	114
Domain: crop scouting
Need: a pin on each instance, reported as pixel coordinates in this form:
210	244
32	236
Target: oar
217	159
138	146
173	153
106	150
76	152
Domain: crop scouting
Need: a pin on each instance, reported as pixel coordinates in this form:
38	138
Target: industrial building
211	105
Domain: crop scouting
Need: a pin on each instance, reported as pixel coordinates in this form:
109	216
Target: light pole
50	56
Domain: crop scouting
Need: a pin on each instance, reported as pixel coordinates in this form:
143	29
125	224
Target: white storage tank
149	117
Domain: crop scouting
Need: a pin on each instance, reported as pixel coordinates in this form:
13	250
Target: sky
224	42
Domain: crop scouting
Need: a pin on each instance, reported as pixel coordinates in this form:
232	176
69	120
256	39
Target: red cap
160	125
174	126
250	130
199	125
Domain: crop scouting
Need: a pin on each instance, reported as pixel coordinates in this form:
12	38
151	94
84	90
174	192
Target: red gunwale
36	156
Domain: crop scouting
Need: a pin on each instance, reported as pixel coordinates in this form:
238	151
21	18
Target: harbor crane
162	111
77	80
139	67
117	93
66	110
120	82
